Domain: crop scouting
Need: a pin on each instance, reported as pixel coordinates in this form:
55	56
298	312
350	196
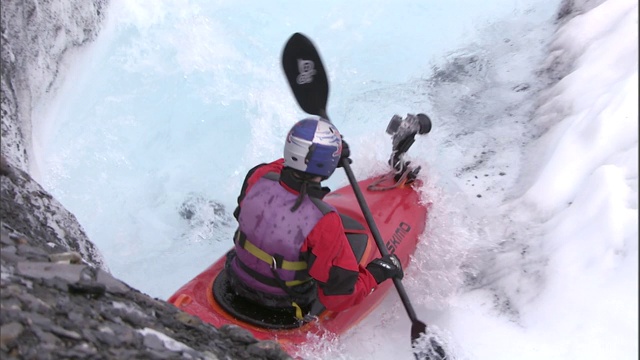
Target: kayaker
290	246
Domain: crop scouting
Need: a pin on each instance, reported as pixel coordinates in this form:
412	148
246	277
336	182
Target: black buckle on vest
240	238
276	261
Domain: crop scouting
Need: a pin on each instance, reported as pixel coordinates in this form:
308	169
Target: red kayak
400	217
388	204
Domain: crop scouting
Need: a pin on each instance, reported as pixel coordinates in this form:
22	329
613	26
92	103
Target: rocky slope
58	299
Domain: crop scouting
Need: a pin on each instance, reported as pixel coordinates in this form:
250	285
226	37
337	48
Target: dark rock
9	332
237	334
88	288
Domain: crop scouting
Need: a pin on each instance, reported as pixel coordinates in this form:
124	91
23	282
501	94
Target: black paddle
308	80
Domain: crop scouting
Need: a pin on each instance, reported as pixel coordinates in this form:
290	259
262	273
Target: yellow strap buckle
269	259
298	311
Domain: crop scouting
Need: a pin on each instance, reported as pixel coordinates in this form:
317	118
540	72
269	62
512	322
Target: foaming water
470	163
149	144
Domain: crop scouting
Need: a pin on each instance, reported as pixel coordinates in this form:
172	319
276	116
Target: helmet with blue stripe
313	146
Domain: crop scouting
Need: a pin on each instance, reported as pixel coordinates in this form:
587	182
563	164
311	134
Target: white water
533	230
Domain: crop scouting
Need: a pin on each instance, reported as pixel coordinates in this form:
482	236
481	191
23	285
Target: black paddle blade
418	328
425	347
305	73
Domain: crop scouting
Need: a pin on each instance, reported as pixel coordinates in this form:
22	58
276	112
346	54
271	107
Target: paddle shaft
376	235
308	81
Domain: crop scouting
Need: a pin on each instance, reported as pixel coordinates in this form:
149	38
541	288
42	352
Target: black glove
346	152
385	268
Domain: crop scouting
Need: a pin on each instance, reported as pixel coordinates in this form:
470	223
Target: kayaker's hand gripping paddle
309	83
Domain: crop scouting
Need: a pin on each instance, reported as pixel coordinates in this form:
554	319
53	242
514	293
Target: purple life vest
267	223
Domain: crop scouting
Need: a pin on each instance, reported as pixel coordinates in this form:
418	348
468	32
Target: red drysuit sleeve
342	282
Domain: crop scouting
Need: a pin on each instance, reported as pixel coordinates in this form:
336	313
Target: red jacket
333	254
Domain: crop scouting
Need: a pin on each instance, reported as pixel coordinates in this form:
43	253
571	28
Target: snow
531	248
